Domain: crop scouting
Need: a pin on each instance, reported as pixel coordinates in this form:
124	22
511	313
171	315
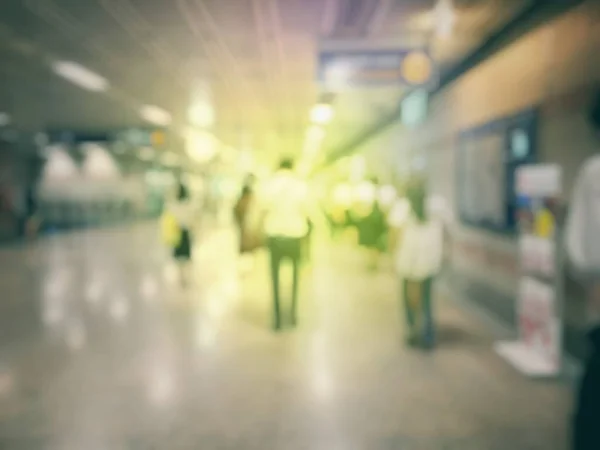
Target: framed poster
488	157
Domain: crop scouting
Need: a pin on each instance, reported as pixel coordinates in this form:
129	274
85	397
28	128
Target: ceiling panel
258	56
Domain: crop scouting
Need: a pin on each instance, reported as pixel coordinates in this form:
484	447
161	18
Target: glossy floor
101	349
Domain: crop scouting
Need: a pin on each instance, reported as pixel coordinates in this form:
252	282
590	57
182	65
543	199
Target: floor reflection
108	351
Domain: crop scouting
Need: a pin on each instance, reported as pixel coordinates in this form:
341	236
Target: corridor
101	349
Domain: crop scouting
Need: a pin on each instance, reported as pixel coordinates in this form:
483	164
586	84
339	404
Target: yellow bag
170	230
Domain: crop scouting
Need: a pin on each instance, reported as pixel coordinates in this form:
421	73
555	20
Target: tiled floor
100	349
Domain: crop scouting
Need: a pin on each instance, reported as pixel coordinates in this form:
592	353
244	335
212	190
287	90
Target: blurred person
247	238
583	251
419	258
286	210
371	224
338	209
31	219
179	217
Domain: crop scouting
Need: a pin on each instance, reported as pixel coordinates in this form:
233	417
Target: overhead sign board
347	67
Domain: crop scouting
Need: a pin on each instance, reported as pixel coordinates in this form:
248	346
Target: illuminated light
80	76
155	115
338	75
146	153
366	192
321	113
445	18
201	115
417	67
4	119
200	145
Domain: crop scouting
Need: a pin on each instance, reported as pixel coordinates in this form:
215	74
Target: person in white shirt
418	260
183	211
287	212
582	236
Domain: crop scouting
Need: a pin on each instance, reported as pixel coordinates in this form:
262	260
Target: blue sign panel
375	67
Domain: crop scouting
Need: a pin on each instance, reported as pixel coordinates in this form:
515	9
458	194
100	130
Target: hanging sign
347	65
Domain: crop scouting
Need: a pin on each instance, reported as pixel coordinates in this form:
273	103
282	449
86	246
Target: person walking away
241	213
286	211
371	223
31	220
181	211
372	232
583	251
418	262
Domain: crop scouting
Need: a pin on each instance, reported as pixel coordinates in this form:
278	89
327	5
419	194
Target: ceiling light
80	76
321	113
200	145
201	115
155	115
339	75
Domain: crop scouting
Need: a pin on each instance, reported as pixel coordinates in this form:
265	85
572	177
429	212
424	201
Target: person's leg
295	250
275	254
427	314
183	254
184	272
409	313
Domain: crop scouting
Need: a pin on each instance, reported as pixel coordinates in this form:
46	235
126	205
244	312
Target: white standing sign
538	350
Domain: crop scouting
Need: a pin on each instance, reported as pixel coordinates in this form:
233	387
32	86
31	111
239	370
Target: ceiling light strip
80	76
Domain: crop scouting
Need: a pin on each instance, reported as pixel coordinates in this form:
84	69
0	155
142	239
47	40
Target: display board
488	157
538	351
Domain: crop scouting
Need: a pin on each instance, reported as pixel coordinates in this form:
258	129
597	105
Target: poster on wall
538	350
488	157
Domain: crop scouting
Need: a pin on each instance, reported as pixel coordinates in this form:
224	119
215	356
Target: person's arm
574	226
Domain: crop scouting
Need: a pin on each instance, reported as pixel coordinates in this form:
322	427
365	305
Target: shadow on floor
454	335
